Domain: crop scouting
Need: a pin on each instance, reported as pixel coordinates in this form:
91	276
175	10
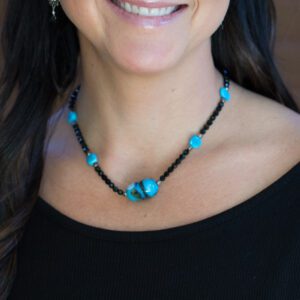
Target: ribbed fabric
250	251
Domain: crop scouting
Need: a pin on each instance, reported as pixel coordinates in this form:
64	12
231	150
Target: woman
193	136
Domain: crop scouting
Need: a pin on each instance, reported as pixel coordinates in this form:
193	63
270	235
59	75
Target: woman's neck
145	115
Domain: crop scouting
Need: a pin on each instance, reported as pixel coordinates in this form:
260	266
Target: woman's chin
143	62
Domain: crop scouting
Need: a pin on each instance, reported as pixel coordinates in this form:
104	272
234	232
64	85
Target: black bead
100	172
170	169
216	113
184	154
162	178
186	151
218	109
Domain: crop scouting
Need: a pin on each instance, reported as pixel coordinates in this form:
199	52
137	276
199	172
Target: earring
54	4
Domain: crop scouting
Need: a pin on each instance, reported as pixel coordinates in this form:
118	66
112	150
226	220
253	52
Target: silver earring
54	4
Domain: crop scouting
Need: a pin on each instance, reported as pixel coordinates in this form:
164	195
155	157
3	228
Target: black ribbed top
250	251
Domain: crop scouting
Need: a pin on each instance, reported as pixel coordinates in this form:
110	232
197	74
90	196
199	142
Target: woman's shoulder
269	125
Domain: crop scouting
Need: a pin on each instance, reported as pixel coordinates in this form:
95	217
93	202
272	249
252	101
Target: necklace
148	187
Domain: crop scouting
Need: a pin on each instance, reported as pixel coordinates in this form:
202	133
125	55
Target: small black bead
120	192
177	161
186	151
209	122
215	113
202	131
100	172
164	176
170	169
218	108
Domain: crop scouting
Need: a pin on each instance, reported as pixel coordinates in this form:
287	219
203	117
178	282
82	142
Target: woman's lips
148	21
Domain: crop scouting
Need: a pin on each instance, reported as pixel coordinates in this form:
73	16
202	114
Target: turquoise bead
134	192
195	141
91	159
147	188
150	187
72	117
224	93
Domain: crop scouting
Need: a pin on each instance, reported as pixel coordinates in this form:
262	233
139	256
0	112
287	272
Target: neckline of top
172	232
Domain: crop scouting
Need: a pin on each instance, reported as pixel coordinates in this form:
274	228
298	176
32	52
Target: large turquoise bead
224	93
195	141
72	117
91	159
150	187
137	191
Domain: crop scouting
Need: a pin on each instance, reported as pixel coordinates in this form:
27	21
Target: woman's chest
194	192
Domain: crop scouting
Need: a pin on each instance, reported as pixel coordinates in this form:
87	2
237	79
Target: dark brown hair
40	65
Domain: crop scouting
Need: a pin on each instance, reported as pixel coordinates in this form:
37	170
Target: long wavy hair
39	67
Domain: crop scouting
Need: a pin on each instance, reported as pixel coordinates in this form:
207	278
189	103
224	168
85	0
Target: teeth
145	11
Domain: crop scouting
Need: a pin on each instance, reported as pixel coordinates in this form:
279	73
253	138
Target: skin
144	92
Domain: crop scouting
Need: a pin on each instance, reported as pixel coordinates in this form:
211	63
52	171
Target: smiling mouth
145	11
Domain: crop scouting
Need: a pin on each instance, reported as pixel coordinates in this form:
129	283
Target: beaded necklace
148	187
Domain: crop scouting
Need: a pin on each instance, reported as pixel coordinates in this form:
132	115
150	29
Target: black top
250	251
